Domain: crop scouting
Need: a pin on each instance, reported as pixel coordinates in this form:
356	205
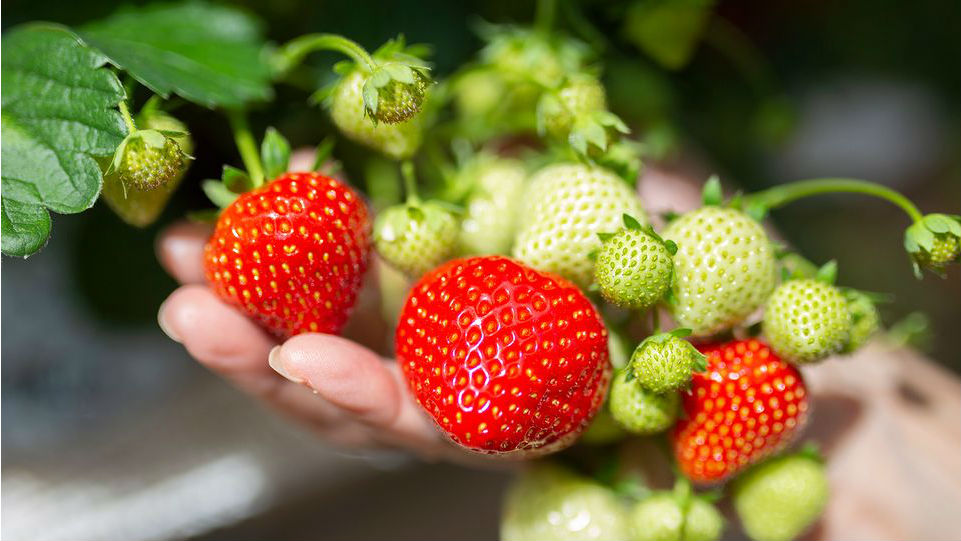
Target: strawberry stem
781	195
410	182
295	50
544	16
127	119
247	147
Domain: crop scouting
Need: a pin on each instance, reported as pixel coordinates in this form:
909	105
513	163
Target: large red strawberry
292	253
748	404
506	359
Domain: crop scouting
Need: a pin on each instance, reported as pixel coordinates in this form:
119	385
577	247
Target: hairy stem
779	196
295	50
247	146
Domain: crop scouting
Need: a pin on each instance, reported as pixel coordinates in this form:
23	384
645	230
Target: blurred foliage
733	98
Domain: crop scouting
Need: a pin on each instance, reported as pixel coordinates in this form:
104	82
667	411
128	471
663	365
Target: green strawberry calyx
631	223
933	242
148	159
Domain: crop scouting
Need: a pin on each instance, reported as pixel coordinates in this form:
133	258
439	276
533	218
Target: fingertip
180	249
343	373
215	334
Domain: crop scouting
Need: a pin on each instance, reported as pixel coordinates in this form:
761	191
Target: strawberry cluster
534	284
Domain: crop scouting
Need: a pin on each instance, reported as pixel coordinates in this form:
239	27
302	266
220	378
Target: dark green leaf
275	153
206	54
605	236
236	180
59	114
667	30
671	246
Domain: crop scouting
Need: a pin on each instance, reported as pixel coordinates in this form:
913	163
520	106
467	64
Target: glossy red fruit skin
507	360
292	253
747	405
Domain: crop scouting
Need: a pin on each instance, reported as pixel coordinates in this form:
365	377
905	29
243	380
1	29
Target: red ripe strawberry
506	359
748	404
292	254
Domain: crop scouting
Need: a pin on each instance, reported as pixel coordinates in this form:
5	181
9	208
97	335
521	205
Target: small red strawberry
506	359
748	404
292	253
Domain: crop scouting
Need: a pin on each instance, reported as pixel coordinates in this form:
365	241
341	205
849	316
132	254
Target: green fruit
395	92
665	362
806	320
479	93
724	267
348	111
580	96
148	159
779	499
662	517
415	237
567	206
865	320
490	218
634	269
945	249
550	504
140	207
639	410
704	522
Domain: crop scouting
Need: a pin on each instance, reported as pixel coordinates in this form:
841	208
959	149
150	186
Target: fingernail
164	326
278	365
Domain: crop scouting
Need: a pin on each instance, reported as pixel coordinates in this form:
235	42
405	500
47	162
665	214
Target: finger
180	249
358	381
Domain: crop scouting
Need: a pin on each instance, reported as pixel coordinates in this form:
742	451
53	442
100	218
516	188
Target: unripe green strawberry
634	267
665	362
395	92
724	268
140	207
933	242
550	504
415	237
348	111
865	319
567	206
664	516
479	93
581	95
806	320
490	218
639	410
779	499
148	159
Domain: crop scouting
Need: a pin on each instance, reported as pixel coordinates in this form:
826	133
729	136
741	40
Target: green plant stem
127	119
544	16
781	195
410	182
295	50
247	147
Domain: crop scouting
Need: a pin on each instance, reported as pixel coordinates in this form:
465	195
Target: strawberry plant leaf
59	115
206	54
275	153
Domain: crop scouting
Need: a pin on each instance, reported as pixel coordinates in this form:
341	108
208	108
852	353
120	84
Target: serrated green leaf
712	194
275	153
59	114
210	55
218	194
